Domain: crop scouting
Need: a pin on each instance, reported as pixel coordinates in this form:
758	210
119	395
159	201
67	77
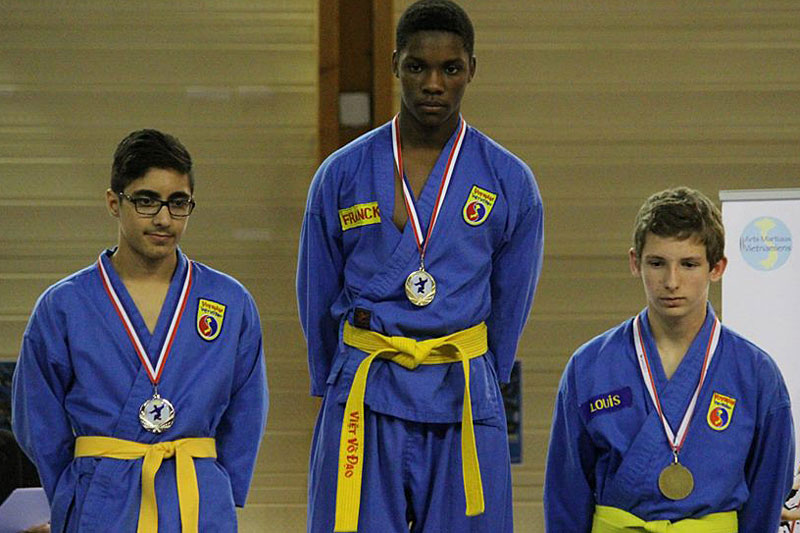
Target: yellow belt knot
184	451
413	351
166	449
409	353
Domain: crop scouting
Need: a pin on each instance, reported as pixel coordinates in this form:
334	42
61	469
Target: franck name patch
607	403
360	215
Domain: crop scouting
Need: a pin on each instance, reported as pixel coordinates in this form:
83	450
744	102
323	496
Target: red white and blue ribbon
675	440
154	373
422	243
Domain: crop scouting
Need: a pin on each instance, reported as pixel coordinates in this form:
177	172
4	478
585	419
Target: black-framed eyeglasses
144	205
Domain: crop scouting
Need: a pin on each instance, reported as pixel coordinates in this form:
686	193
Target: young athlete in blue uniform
420	251
143	357
670	421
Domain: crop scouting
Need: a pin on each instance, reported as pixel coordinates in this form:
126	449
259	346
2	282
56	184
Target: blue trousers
412	478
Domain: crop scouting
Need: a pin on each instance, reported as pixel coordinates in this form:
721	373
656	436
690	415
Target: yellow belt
613	520
409	353
184	451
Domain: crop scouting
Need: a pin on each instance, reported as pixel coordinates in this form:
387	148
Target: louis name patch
210	316
720	411
478	206
607	403
360	215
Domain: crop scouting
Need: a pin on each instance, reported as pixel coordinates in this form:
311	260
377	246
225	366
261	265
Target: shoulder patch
607	403
478	206
360	215
210	316
720	411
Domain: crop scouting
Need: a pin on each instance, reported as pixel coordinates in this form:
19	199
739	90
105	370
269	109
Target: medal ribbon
422	243
675	441
153	373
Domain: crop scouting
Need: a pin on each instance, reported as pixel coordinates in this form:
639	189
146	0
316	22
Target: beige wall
607	101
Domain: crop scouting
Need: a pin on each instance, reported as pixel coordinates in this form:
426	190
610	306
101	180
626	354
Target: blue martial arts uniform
78	375
608	446
353	262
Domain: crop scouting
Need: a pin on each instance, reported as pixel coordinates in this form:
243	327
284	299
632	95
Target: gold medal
676	482
420	287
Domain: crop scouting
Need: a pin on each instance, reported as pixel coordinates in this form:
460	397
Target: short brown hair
681	213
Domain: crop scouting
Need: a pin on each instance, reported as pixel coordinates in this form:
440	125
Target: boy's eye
453	69
179	202
144	201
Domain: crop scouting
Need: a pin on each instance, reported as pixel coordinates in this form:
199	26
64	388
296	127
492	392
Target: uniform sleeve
515	273
320	279
769	468
242	425
42	376
568	487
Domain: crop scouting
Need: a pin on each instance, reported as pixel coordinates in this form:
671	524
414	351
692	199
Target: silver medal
420	288
156	414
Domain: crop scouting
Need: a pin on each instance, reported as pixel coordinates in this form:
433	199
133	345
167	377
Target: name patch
720	411
479	205
607	403
360	215
210	315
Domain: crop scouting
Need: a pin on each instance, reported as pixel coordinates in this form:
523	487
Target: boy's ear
473	63
112	203
719	269
633	262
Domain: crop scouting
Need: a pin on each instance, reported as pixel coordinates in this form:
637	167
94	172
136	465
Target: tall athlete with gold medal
671	422
398	308
140	392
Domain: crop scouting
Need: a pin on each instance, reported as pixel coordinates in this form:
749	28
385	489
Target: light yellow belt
184	451
613	520
409	353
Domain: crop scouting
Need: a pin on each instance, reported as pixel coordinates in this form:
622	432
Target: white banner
761	287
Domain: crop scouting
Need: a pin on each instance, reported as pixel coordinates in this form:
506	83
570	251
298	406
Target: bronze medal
676	482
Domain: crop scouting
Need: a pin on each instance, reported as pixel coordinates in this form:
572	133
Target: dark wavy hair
142	150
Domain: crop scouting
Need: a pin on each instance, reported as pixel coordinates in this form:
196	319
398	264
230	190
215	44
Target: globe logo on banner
766	243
